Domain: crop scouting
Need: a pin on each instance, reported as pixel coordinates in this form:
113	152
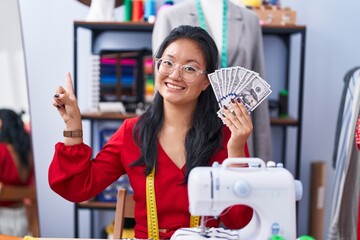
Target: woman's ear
206	84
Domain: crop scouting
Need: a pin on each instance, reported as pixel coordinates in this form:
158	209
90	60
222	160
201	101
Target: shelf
120	116
93	204
283	30
115	26
289	121
106	116
96	205
148	27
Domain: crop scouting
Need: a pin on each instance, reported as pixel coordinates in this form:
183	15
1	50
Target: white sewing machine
271	191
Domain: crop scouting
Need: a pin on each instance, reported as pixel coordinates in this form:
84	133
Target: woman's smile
173	86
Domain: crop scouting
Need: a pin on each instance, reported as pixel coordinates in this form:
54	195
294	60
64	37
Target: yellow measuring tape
194	221
152	219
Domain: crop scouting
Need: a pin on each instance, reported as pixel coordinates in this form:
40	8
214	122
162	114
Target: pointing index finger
69	84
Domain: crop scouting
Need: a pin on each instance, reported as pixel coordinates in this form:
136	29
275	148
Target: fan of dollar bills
238	82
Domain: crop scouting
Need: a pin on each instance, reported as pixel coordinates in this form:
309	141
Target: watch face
88	2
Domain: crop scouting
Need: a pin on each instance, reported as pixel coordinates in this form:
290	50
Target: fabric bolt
244	48
71	166
345	196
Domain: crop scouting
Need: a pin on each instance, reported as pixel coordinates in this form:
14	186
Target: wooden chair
28	196
125	206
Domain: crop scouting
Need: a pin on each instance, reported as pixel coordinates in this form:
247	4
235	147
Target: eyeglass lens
187	73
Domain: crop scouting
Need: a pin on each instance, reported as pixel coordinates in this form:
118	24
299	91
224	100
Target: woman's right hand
65	102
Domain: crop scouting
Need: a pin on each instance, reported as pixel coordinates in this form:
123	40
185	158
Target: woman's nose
176	74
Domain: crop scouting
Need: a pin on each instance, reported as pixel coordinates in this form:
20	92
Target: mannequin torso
213	12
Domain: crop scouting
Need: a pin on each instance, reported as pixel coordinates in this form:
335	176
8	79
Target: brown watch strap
73	134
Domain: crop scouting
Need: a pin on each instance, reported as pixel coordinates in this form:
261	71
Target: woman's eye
167	63
189	69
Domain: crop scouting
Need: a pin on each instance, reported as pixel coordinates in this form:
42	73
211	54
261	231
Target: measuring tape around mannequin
152	219
224	42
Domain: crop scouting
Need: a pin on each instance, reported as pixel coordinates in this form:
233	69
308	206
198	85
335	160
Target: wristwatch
73	134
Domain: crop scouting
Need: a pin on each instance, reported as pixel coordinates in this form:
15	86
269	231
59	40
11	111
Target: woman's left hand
240	124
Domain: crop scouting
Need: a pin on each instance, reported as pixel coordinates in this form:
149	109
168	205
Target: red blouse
77	179
9	173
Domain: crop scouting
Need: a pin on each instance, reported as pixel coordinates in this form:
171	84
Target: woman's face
172	87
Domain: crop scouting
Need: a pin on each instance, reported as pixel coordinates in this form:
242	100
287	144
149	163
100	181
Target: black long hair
204	136
12	131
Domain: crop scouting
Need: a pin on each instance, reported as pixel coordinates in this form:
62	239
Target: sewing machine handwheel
242	188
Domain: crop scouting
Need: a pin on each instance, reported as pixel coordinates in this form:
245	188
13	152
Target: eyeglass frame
176	67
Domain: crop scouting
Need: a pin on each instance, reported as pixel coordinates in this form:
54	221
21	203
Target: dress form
213	12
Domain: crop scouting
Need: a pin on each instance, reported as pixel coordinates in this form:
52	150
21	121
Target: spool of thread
149	11
271	2
128	10
305	237
137	10
283	103
276	237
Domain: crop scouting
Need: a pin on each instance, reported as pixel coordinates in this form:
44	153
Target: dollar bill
216	87
238	82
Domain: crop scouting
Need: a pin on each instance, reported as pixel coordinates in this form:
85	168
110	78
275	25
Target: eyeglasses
188	73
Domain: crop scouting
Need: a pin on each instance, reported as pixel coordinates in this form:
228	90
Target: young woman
16	169
178	132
